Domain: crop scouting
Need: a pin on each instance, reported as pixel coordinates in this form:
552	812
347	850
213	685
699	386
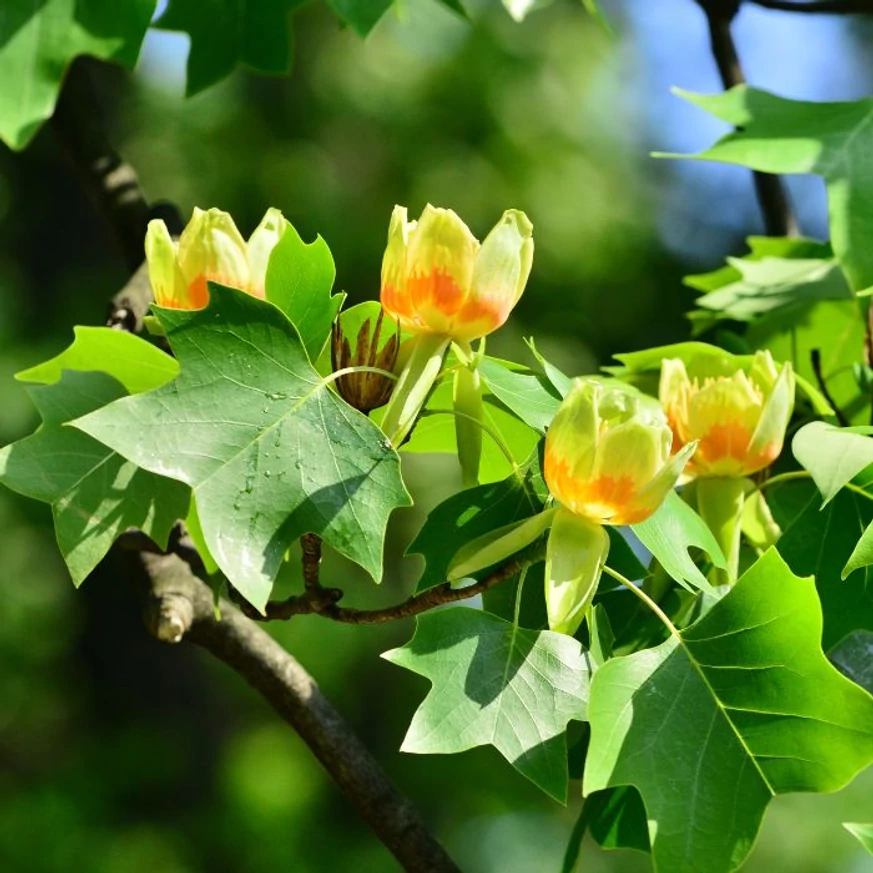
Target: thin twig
826	7
815	360
779	218
180	606
439	595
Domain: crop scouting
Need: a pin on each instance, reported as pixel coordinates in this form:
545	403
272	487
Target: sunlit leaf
863	833
38	40
833	456
712	723
269	450
497	684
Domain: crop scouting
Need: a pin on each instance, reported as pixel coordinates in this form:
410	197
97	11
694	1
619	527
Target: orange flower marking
438	279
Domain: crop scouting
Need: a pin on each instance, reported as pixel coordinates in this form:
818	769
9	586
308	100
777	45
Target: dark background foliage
119	755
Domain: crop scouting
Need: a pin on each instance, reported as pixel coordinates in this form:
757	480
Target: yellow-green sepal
467	399
575	555
498	545
720	502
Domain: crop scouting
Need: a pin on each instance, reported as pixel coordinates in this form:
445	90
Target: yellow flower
210	249
608	460
438	279
737	413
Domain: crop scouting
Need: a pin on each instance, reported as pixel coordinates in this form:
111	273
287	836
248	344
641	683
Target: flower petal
168	286
766	443
261	244
211	249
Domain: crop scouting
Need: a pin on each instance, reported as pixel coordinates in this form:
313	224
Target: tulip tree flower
443	286
607	461
210	249
737	410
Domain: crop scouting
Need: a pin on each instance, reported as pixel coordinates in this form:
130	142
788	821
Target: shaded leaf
496	684
362	15
38	41
853	657
270	452
819	542
712	723
256	33
94	493
470	514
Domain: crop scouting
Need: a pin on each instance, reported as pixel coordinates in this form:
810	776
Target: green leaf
622	557
712	723
497	684
38	41
760	247
819	542
530	395
435	432
862	554
270	452
832	140
833	456
470	514
362	15
94	493
299	281
137	364
560	382
670	532
256	33
863	833
772	286
853	657
617	819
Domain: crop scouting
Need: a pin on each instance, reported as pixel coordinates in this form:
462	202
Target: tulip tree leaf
269	450
362	15
819	541
833	455
256	33
853	657
137	364
95	494
863	833
531	396
670	532
38	41
771	286
831	140
712	723
498	684
468	515
299	281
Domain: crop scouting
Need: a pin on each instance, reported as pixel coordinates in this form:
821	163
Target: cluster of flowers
608	459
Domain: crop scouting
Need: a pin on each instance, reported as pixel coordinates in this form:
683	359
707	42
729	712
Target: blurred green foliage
119	755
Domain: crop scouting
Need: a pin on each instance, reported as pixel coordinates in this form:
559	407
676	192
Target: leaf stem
486	429
346	371
802	474
644	597
516	613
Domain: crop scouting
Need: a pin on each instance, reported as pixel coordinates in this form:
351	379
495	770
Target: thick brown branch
181	606
827	7
779	219
439	595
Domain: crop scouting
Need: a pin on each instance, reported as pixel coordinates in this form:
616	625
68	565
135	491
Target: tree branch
779	218
815	361
439	595
180	606
827	7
